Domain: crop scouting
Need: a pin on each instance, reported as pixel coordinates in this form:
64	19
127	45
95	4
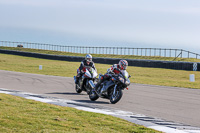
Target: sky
127	23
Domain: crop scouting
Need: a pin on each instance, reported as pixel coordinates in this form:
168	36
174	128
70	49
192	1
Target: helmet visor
123	67
89	59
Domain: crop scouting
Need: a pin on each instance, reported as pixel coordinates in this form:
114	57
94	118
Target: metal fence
161	52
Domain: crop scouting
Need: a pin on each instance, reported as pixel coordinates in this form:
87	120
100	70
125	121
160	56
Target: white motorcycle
89	77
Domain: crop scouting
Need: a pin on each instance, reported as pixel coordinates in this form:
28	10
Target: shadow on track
88	101
66	93
83	101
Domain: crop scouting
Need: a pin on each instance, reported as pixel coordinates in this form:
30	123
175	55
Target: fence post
137	51
160	52
181	53
129	51
175	52
74	49
145	51
150	52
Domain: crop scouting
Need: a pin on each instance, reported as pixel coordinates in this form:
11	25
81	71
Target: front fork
91	84
114	91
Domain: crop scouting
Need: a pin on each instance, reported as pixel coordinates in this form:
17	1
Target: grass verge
24	116
153	76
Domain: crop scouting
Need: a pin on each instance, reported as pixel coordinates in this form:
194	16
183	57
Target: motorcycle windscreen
87	74
94	73
125	73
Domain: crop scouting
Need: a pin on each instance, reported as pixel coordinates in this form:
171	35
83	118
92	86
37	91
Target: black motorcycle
111	89
89	76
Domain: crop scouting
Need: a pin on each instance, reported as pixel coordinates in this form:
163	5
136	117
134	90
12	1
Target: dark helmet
88	57
123	64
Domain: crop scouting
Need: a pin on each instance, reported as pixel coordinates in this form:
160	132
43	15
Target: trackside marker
40	67
192	78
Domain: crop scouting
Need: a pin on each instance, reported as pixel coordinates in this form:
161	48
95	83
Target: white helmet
88	57
123	64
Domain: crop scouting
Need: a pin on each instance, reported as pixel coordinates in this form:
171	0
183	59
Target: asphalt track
181	105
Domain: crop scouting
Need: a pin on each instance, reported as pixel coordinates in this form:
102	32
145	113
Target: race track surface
181	105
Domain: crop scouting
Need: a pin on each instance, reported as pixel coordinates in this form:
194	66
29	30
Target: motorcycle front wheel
93	95
77	88
114	98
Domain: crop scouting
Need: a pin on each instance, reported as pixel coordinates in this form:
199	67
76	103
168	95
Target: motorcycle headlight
127	82
121	79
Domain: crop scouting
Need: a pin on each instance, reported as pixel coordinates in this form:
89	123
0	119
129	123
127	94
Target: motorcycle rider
85	63
114	69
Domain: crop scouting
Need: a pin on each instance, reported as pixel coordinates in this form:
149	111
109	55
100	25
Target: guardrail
161	52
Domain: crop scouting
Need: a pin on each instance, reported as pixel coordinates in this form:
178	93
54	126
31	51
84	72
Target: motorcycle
111	89
83	84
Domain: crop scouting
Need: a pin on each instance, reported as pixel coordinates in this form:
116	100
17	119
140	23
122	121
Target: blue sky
131	23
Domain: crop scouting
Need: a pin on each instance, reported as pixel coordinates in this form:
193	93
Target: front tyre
78	88
114	98
93	95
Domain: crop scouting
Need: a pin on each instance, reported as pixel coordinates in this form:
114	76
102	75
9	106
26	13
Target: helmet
88	57
123	64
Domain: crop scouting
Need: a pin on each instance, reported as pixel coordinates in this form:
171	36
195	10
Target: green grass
102	55
27	116
143	75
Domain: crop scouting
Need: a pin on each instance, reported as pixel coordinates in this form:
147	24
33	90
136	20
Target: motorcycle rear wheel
114	98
